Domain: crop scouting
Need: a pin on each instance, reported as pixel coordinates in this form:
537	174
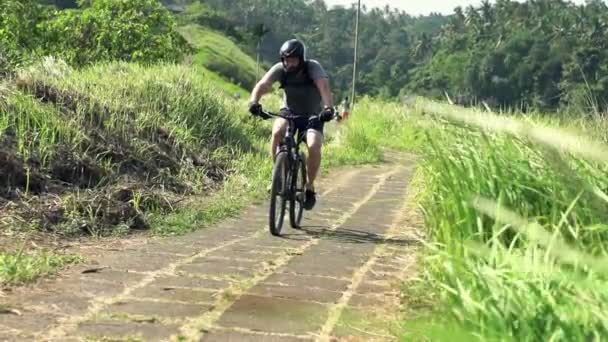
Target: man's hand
314	121
255	109
327	114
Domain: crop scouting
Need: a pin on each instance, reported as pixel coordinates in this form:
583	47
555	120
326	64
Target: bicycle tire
296	204
278	196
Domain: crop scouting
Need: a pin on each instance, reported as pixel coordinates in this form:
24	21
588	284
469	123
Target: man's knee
315	142
278	128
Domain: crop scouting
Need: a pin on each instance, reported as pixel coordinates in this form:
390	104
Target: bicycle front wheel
278	194
298	184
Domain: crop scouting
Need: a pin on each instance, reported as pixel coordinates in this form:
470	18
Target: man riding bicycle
306	89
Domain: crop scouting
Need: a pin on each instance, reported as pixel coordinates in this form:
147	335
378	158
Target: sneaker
310	200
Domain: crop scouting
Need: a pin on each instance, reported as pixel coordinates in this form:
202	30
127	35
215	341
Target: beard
292	68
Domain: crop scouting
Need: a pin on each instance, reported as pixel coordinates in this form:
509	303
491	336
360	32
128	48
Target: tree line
539	54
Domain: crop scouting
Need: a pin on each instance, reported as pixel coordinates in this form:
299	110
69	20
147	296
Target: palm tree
259	32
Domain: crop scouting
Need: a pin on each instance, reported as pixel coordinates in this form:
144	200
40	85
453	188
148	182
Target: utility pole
352	98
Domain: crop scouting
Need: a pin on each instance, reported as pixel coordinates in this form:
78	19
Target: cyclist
306	92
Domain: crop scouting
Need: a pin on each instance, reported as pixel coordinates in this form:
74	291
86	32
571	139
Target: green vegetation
104	148
135	31
518	209
113	134
229	89
387	40
106	136
87	152
20	268
151	134
529	55
541	54
78	158
218	53
514	210
533	55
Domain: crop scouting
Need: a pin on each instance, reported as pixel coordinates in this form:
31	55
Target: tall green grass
372	127
124	115
515	221
515	211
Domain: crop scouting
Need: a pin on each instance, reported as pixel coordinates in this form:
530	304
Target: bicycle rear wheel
298	184
278	194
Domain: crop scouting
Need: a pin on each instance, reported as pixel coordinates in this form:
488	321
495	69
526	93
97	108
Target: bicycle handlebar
291	116
284	116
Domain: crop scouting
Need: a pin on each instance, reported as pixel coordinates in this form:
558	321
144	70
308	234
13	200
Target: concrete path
336	279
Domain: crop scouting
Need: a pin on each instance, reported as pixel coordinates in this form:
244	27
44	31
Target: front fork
286	145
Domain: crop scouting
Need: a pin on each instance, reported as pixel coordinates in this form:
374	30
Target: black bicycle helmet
293	48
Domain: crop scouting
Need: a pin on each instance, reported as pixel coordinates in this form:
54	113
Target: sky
418	7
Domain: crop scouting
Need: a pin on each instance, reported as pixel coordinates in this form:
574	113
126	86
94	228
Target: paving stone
367	287
374	275
311	264
118	329
245	259
189	282
155	309
12	336
64	304
246	247
308	281
123	277
225	269
28	321
296	292
229	260
140	263
174	294
229	336
274	315
181	249
368	300
88	288
361	324
267	241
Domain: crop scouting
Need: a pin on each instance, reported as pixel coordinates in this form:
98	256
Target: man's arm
323	86
321	80
264	85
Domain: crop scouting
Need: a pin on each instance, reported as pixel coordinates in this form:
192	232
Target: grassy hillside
113	148
220	54
116	148
113	123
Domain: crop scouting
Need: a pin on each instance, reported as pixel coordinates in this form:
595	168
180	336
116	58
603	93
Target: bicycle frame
290	143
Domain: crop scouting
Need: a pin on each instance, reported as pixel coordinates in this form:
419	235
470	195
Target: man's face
292	63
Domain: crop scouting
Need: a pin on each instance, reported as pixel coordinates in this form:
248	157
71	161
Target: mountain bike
288	176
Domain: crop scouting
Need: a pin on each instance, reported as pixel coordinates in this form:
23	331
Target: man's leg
314	138
278	133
